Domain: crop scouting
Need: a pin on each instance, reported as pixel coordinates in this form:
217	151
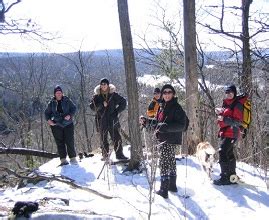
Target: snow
130	193
155	80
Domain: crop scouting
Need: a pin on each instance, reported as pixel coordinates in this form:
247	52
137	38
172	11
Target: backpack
244	100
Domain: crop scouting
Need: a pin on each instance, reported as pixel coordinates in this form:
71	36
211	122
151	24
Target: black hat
57	88
168	86
104	80
157	91
230	87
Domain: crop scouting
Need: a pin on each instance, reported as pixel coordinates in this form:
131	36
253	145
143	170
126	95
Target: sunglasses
167	92
228	92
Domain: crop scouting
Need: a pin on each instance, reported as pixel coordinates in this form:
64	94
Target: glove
162	127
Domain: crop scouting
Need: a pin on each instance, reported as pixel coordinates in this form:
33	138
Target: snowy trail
206	201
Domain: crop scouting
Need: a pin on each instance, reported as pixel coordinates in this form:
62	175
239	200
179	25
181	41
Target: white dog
205	153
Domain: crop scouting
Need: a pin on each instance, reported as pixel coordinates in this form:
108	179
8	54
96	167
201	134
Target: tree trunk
132	91
245	78
191	75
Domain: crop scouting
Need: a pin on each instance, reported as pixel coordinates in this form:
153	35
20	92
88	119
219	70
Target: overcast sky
91	24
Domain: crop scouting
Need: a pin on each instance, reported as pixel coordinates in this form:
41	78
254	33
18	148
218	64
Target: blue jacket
68	107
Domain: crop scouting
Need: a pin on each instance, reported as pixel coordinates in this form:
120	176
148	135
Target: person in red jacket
229	119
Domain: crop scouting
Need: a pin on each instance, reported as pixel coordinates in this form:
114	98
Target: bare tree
191	75
81	68
132	91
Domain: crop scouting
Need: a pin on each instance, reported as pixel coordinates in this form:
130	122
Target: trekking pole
105	163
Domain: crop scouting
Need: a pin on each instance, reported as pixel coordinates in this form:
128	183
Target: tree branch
36	175
24	151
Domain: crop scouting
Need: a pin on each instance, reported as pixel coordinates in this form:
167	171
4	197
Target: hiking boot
63	162
163	192
73	161
121	157
172	184
224	180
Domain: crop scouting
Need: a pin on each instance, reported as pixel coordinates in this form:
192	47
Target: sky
129	192
94	24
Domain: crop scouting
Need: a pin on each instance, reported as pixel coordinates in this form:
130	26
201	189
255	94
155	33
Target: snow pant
167	162
64	138
226	156
116	138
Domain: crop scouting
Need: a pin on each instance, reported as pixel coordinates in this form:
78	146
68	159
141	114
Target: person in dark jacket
59	114
107	104
170	122
154	104
229	120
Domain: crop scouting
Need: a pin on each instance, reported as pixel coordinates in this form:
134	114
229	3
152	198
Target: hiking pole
106	162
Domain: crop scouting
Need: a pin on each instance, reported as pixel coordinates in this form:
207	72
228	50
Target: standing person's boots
172	184
73	161
224	176
163	192
119	153
63	162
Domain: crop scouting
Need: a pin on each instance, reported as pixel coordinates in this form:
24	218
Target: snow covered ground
130	194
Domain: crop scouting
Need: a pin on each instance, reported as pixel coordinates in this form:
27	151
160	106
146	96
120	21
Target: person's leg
70	143
173	169
224	161
104	142
231	158
58	134
164	165
117	141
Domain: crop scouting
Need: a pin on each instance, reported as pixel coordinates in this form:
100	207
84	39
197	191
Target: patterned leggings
167	161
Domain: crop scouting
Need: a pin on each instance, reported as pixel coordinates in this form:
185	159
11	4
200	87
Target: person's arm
237	117
150	110
72	108
48	112
178	123
96	104
120	101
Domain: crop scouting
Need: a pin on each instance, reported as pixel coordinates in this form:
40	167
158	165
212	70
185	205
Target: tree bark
245	77
191	75
132	91
28	152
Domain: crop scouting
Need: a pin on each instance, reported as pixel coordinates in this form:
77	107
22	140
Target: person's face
229	94
157	95
167	95
104	87
58	95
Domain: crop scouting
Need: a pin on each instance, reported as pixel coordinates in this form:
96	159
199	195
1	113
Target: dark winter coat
68	108
232	119
171	122
107	116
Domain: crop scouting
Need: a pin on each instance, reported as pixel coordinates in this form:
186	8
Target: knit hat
57	88
230	87
168	86
157	91
104	80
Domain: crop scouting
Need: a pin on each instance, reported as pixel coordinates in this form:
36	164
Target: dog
205	153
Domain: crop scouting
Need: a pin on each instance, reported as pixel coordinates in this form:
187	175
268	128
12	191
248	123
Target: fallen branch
25	151
52	177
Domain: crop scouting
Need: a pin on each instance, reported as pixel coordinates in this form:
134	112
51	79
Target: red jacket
232	118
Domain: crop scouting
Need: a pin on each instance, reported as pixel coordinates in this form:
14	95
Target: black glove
162	127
